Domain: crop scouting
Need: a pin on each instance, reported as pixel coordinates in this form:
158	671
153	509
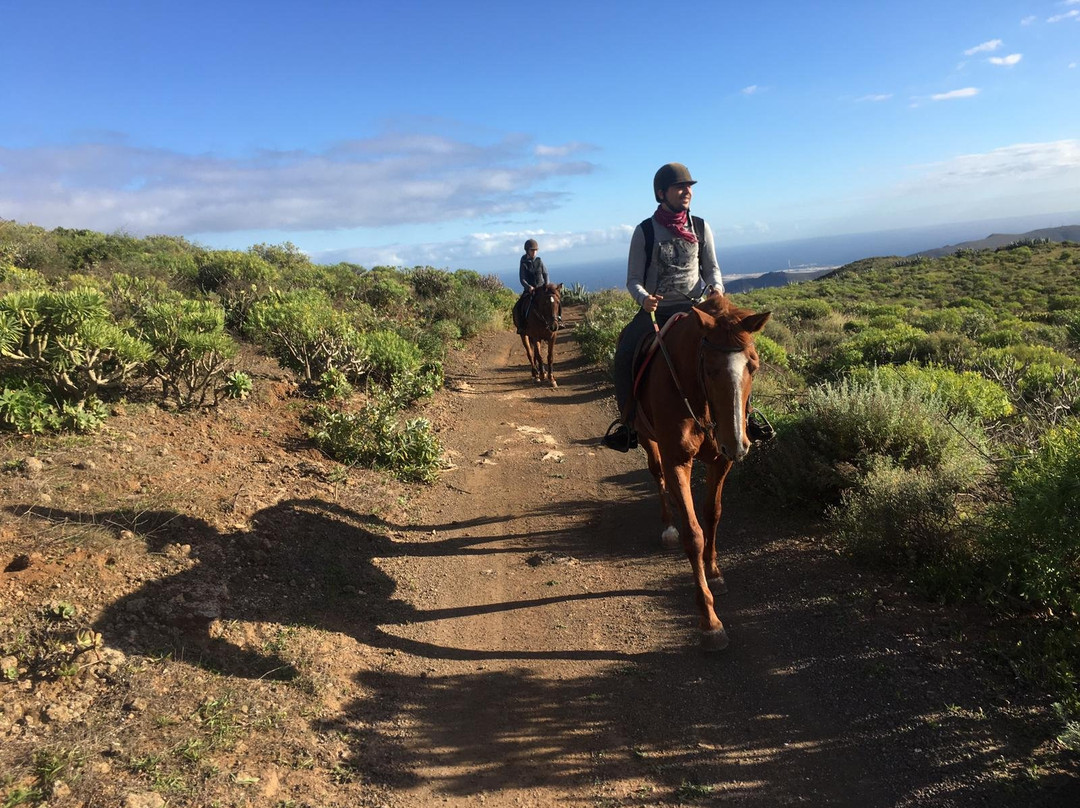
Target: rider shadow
302	562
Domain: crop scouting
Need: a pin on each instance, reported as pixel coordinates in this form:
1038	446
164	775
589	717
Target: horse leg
550	361
669	539
529	353
713	636
537	360
714	486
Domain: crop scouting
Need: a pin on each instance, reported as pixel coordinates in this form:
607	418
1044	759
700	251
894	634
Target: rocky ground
200	609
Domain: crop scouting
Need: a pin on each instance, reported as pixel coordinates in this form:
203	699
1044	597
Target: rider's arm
524	278
635	267
710	267
541	271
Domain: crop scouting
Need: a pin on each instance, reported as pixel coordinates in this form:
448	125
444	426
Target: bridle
550	323
710	426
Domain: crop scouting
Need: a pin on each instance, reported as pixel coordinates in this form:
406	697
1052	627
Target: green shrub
1037	540
333	385
29	409
833	440
430	283
906	518
192	352
305	333
800	311
770	352
237	385
598	333
372	437
877	346
384	289
575	294
70	340
958	391
388	355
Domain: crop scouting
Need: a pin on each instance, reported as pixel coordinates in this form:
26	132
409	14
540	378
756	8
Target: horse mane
724	319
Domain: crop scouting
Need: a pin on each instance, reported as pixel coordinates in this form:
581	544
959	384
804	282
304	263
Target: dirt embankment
280	632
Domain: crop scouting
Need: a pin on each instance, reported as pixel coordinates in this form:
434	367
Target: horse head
727	361
545	304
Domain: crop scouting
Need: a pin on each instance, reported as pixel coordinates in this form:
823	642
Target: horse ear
755	322
559	286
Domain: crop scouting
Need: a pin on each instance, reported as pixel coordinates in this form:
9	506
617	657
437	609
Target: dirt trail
550	656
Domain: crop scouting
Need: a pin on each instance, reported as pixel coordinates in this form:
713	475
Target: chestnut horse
541	325
700	415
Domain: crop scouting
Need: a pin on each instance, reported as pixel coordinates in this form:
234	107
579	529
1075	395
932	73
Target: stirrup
758	428
620	437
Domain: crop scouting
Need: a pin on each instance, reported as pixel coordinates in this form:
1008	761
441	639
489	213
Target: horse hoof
669	539
718	586
716	640
554	383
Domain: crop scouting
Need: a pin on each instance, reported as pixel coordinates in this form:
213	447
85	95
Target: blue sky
411	133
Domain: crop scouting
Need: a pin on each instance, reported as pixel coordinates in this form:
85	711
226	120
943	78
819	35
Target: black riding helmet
668	175
531	245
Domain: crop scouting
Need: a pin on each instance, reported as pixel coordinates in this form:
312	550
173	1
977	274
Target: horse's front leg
713	636
670	537
714	486
550	361
529	354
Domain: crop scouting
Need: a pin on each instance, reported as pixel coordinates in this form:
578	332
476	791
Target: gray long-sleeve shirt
673	271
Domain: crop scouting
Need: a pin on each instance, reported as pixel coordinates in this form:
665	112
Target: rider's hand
651	302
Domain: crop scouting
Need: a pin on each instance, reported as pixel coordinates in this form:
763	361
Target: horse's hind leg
714	487
669	539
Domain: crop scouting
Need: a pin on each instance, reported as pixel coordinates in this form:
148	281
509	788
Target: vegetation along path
512	635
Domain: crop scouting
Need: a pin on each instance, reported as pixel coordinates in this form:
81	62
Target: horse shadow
301	562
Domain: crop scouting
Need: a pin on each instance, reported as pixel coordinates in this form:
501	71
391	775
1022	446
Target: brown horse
541	313
701	415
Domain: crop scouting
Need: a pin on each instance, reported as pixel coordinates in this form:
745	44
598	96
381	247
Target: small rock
31	467
147	800
85	465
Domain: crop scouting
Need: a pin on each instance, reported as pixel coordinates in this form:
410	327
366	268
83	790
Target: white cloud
1028	161
466	250
990	45
1068	15
1028	20
1072	65
391	179
753	88
875	97
1006	61
966	92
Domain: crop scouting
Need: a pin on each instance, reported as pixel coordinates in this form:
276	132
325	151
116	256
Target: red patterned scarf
675	222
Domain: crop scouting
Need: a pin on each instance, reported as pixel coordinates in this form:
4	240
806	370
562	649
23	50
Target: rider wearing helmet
531	273
666	274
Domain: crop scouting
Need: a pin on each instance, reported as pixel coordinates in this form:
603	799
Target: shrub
1037	539
771	352
388	355
598	333
907	518
959	392
237	385
333	386
308	335
70	340
384	289
191	349
876	346
28	408
430	283
832	441
372	437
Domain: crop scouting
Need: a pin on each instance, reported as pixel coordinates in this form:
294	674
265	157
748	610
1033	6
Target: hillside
996	240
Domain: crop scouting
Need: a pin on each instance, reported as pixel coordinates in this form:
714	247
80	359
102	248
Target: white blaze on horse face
737	373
